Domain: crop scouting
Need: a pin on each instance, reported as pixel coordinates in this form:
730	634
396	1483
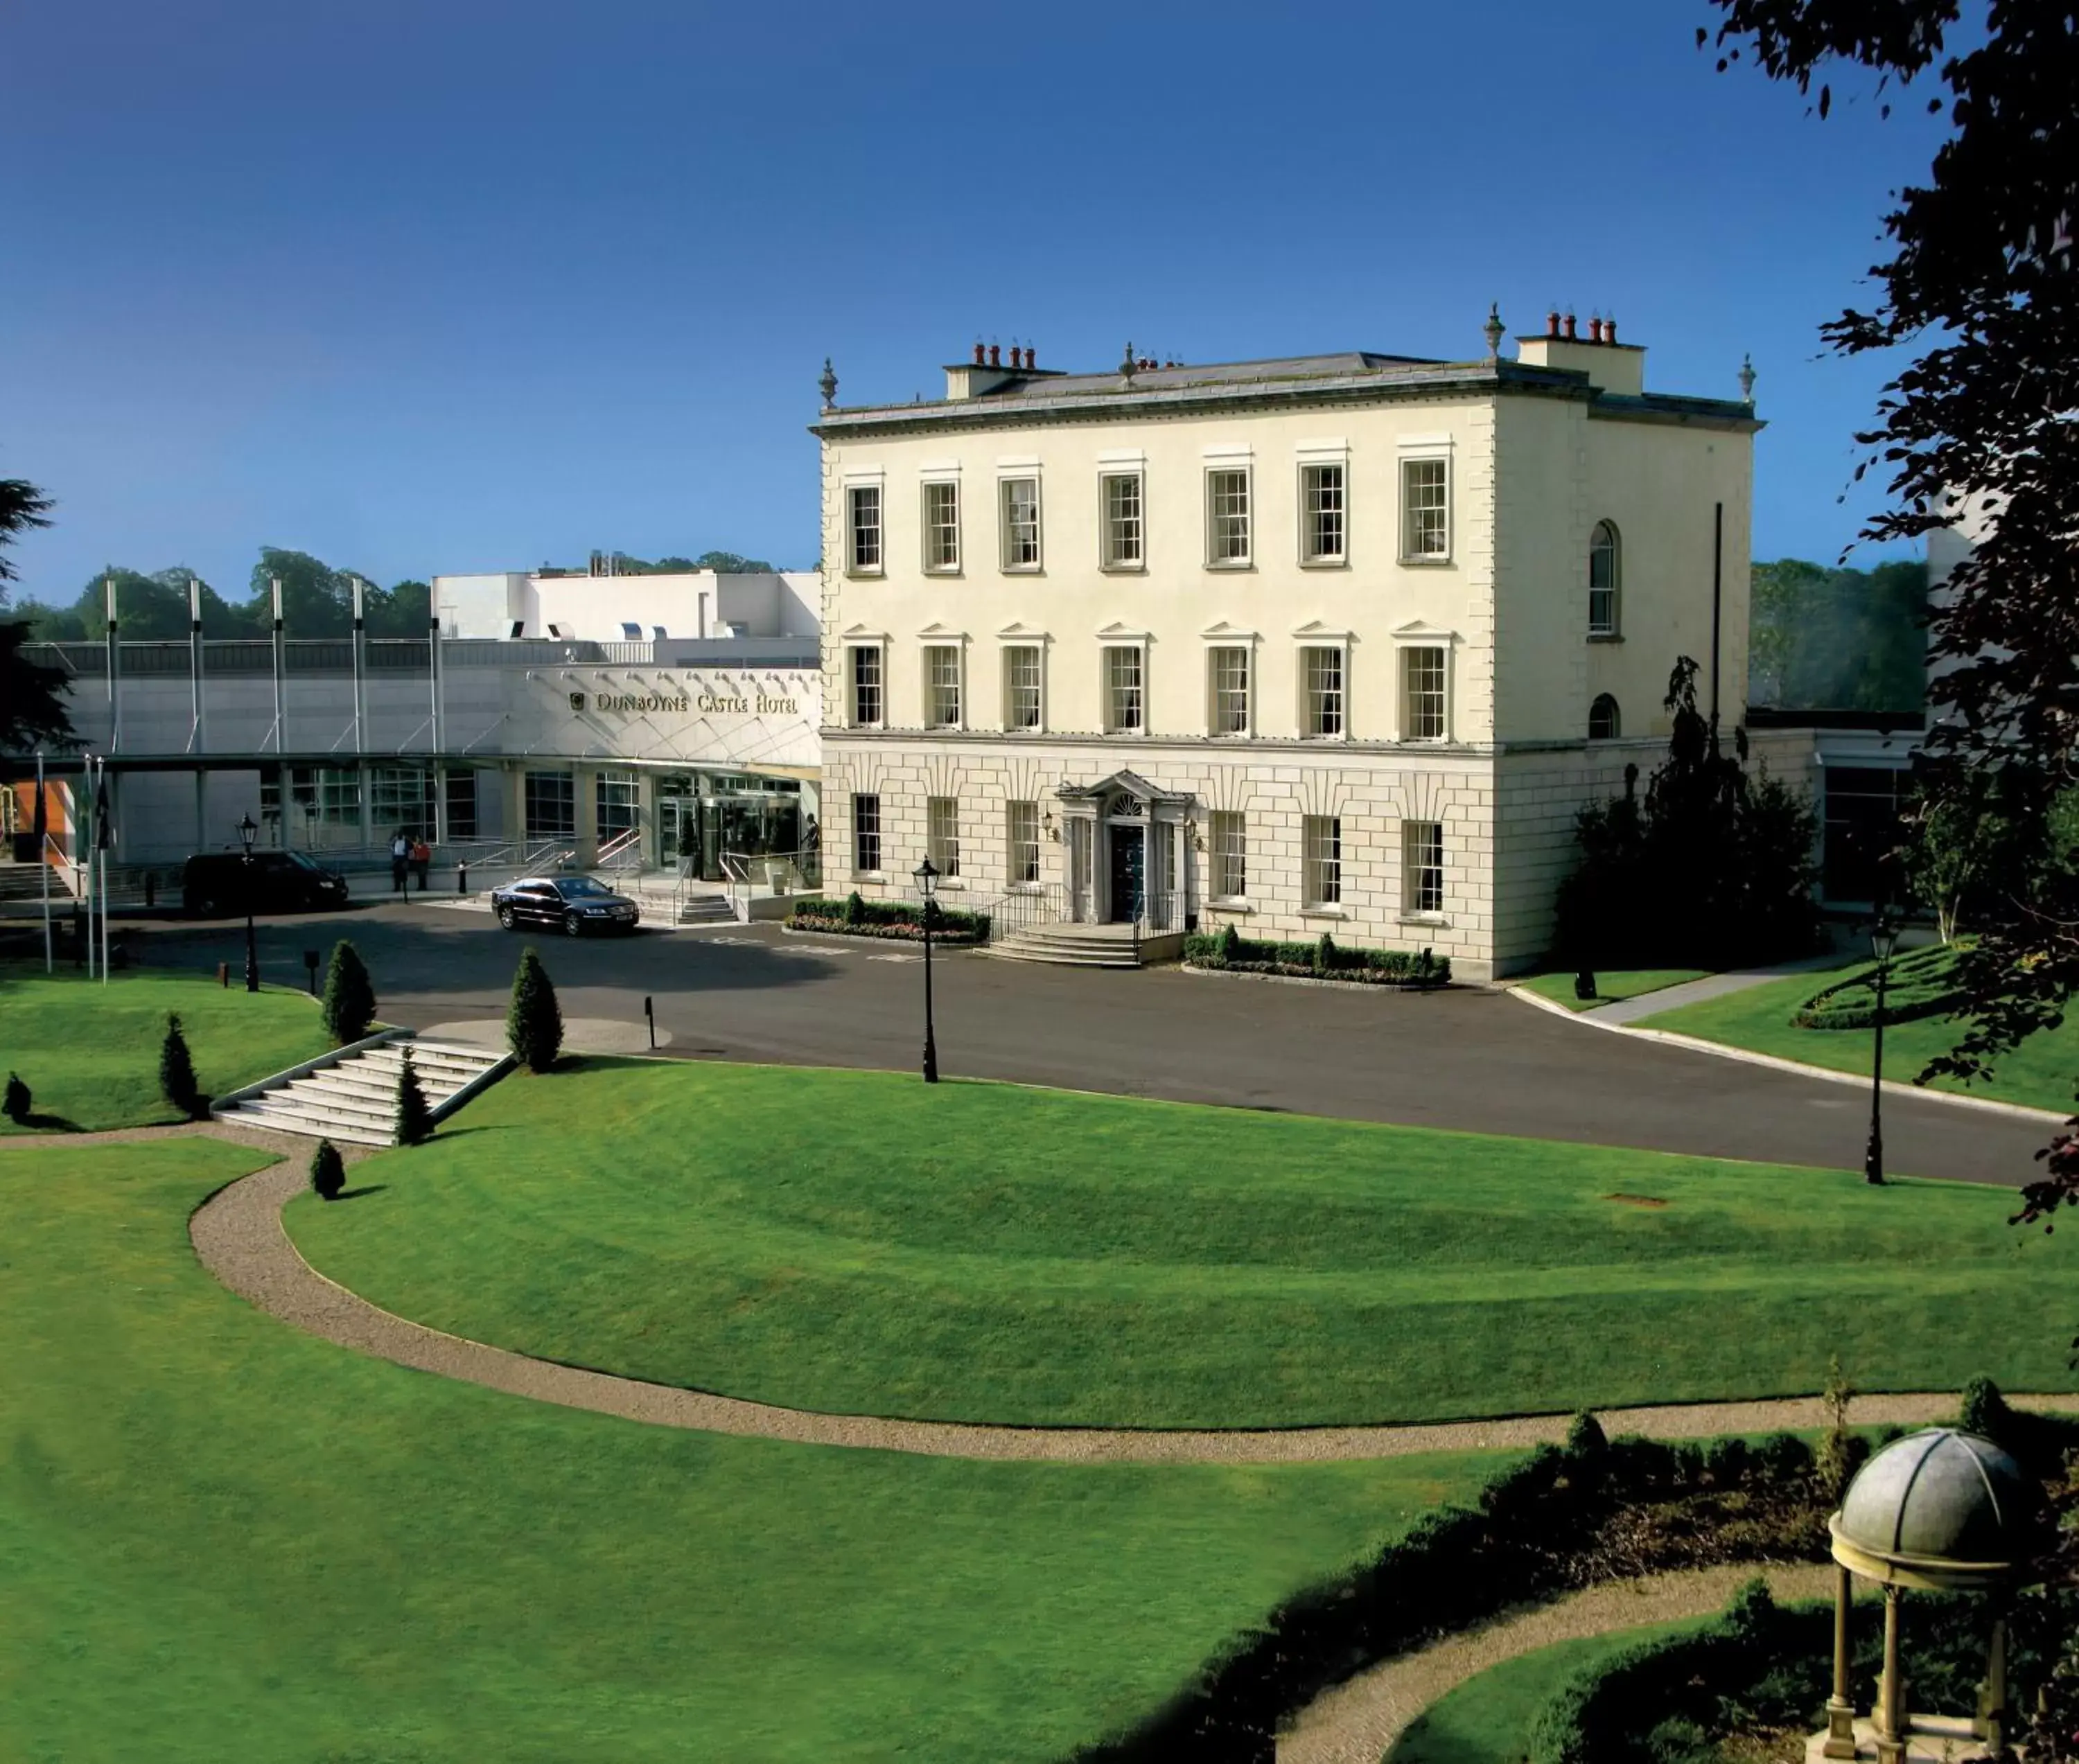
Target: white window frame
941	835
1340	648
1413	866
1423	638
1137	647
854	489
1108	474
1016	844
879	646
1215	650
1611	625
932	528
932	651
1006	649
1414	454
1221	851
1006	480
1218	468
858	868
1310	463
1321	863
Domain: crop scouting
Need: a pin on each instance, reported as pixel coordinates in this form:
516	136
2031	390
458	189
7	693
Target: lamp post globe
927	886
1883	945
247	834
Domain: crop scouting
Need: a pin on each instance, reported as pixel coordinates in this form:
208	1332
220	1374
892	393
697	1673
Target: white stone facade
1384	611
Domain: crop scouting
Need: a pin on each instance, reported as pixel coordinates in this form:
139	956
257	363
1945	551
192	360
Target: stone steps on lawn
353	1095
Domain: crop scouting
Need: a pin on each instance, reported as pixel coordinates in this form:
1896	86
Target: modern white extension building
1335	643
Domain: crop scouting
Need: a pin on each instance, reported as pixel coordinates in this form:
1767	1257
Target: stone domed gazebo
1943	1511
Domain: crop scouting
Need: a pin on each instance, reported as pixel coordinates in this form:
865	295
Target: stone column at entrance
1891	1694
585	782
512	804
1840	1713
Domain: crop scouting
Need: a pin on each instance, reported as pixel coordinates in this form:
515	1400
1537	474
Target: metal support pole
104	833
114	668
41	822
1873	1154
1840	1711
931	1041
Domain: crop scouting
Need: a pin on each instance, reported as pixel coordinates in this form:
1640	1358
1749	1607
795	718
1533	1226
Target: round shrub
328	1171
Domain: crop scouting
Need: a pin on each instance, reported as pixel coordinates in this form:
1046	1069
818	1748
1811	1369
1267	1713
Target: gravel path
238	1235
1358	1722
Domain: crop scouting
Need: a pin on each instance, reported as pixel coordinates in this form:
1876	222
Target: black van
220	882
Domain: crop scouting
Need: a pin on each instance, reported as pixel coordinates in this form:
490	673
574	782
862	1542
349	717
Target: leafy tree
534	1021
18	1103
1979	287
32	700
1711	869
1837	639
415	1116
176	1072
328	1171
350	996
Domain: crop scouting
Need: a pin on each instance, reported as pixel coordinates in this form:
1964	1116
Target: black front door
1128	853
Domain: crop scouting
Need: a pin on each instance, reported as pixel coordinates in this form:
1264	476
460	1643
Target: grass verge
221	1538
2040	1073
1488	1719
90	1052
857	1242
1611	986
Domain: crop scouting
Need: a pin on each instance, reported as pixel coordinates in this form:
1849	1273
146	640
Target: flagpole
41	821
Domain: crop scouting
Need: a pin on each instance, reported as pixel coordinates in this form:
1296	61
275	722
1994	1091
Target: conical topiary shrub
18	1103
350	996
176	1072
415	1116
328	1171
534	1024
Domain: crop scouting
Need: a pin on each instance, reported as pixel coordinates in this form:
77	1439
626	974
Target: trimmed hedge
1227	950
1759	1666
1922	984
1563	1518
855	916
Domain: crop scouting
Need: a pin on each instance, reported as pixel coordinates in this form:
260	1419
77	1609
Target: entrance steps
352	1095
706	910
25	882
1067	944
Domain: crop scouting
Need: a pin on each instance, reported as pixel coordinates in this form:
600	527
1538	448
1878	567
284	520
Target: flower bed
1228	952
1922	984
855	916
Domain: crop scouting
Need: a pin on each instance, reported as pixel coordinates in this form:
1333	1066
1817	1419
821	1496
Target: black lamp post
927	885
247	833
1884	943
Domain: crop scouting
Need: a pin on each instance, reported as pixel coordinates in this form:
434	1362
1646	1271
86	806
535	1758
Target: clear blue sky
464	284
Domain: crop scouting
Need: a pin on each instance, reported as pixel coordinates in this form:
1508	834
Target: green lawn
222	1539
1488	1720
2040	1072
91	1053
1611	986
859	1242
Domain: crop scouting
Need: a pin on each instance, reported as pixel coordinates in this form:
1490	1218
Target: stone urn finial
829	382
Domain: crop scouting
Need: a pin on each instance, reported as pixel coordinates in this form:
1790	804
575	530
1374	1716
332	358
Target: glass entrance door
1129	853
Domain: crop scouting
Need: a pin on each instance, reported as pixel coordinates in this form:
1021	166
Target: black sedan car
215	882
570	904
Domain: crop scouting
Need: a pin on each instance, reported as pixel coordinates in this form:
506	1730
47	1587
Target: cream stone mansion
1337	643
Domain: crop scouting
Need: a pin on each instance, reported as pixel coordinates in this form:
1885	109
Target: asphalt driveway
1469	1058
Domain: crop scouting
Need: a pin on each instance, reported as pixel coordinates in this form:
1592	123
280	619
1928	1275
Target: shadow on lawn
355	1194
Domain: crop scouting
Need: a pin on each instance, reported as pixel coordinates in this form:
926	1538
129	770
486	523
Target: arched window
1603	722
1603	580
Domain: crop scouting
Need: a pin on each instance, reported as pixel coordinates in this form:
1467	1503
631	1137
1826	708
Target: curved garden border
239	1236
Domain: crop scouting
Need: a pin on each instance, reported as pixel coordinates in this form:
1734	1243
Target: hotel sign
708	703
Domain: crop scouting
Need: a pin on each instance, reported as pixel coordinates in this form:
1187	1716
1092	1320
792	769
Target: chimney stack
995	356
1609	330
1552	323
979	359
1569	332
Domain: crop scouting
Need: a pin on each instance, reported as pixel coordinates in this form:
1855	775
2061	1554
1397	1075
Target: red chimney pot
1609	330
1551	324
995	356
1029	354
1569	328
978	355
1595	330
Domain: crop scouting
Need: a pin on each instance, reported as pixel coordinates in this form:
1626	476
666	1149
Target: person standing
400	858
422	860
